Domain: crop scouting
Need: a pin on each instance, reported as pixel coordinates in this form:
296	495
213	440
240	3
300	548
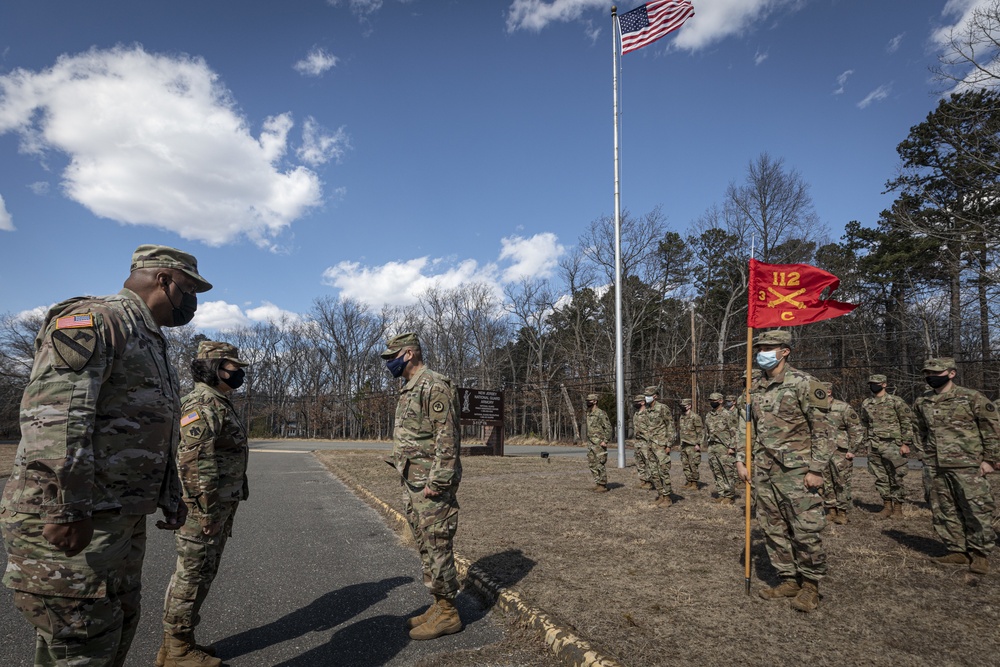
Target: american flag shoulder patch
75	321
190	418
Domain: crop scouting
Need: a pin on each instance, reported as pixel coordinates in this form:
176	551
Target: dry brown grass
665	586
7	451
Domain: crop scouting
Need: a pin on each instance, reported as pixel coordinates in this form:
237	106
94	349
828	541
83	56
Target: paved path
311	576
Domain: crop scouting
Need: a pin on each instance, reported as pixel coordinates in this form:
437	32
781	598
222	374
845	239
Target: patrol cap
213	349
939	364
730	397
639	398
592	397
149	256
685	401
397	343
877	378
774	337
651	390
715	396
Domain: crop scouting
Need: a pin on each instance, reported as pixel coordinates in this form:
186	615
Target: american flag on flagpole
651	21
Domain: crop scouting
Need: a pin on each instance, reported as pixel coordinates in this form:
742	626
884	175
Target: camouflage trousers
791	518
645	462
85	608
888	467
723	467
962	509
691	461
659	469
837	481
597	459
433	522
198	558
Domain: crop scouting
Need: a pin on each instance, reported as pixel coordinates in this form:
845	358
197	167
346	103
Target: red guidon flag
788	295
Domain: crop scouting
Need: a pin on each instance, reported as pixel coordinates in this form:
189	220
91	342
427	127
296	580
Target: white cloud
223	316
965	21
6	222
39	187
401	283
842	81
316	62
759	57
157	140
319	146
268	312
894	43
876	95
33	313
536	14
361	8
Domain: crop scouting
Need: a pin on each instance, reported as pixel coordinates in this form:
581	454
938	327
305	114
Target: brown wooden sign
480	406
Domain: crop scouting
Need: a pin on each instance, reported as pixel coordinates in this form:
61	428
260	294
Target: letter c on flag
787	315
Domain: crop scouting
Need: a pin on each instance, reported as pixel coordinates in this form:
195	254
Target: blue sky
374	148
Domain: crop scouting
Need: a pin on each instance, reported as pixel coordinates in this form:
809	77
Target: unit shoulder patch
75	345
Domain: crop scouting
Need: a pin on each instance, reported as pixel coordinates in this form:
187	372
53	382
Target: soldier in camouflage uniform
959	433
847	433
598	434
888	433
99	427
692	436
212	462
791	429
426	454
645	462
729	404
661	435
720	430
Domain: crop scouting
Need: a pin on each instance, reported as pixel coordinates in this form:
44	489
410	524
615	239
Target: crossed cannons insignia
786	298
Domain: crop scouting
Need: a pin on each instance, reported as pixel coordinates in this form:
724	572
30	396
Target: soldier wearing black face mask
888	434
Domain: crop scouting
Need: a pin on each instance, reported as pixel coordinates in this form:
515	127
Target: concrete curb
571	649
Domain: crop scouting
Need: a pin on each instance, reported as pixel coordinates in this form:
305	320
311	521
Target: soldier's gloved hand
813	481
741	472
70	538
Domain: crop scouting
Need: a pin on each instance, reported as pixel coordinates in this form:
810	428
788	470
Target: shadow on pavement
325	612
368	643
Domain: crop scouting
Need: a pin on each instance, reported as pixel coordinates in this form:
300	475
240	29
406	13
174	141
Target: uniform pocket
44	577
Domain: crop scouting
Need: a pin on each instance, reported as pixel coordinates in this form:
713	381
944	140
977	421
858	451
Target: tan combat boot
161	655
182	652
445	621
600	488
420	619
788	588
728	502
886	510
808	597
952	558
980	564
664	501
897	510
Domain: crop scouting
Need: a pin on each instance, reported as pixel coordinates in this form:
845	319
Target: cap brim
202	285
238	362
389	353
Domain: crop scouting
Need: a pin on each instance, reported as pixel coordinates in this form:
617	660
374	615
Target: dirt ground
7	452
654	586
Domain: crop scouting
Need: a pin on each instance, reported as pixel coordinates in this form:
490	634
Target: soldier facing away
790	425
720	433
99	428
661	435
426	454
888	433
959	433
598	434
847	434
212	462
692	435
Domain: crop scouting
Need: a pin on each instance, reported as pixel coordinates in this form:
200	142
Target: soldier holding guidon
888	433
598	434
847	433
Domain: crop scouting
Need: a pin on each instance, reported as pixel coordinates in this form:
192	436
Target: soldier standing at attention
661	432
847	434
212	462
888	433
789	417
960	437
692	435
729	404
720	428
645	462
426	455
99	428
598	434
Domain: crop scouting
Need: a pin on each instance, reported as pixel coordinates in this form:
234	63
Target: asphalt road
311	576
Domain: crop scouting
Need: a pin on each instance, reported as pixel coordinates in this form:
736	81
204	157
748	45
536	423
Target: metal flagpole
619	362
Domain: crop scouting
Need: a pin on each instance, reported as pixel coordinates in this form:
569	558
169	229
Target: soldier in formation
661	435
426	455
212	462
691	430
720	435
644	461
598	434
959	438
847	434
888	433
99	430
792	432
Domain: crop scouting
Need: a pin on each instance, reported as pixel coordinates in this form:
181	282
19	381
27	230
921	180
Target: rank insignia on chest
190	418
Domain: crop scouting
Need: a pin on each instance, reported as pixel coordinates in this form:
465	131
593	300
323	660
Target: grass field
655	586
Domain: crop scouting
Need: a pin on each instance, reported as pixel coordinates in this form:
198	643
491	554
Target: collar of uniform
777	379
209	389
147	316
416	378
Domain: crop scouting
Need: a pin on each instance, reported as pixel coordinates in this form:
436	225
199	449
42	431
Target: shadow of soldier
923	545
505	568
324	613
760	562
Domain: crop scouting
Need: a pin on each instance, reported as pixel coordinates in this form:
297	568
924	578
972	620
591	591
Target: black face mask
714	404
236	378
874	388
937	381
183	313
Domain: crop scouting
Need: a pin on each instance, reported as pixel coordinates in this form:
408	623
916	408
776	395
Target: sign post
482	406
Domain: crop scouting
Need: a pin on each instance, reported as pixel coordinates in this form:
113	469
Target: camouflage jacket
691	429
887	418
958	428
741	427
789	417
720	429
212	457
660	425
639	426
427	439
99	417
847	430
598	426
